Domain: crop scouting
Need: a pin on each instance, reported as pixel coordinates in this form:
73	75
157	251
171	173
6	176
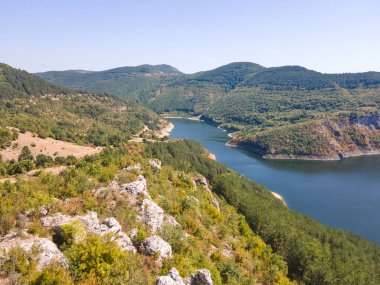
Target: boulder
202	277
56	220
101	191
133	168
203	182
44	210
173	278
48	251
92	225
155	245
151	214
155	163
137	187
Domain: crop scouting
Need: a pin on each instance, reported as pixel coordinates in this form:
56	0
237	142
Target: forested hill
18	82
278	112
138	83
30	103
162	84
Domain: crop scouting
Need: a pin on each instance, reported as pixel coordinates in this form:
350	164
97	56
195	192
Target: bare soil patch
48	146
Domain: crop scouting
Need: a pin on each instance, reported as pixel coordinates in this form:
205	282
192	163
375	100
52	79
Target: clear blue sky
192	35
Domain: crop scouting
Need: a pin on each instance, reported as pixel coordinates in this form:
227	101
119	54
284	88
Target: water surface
342	194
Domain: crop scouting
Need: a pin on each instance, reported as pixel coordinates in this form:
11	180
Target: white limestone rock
48	251
138	187
151	214
155	163
202	277
132	168
203	182
133	233
92	225
156	245
173	278
55	220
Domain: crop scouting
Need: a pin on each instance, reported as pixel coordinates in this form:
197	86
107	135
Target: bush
25	154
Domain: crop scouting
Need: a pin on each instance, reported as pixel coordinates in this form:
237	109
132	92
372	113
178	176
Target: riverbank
196	118
211	156
165	131
313	188
336	157
232	135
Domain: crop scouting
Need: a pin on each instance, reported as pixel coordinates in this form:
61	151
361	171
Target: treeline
316	254
27	162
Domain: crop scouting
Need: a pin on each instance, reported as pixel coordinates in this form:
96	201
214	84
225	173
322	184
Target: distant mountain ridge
138	82
259	103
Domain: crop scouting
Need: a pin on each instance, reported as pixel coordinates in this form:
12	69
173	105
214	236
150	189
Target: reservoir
342	194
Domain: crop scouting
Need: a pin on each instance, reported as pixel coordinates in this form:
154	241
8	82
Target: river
342	194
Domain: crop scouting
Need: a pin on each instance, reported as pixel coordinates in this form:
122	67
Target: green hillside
137	83
31	104
261	103
18	82
315	254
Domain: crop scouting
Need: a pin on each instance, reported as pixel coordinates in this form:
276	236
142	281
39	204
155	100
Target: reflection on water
344	194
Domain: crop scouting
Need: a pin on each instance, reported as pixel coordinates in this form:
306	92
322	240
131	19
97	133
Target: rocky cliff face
329	139
148	214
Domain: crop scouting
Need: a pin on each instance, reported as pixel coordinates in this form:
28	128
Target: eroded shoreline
231	135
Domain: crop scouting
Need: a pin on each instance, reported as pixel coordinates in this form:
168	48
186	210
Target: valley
286	112
147	205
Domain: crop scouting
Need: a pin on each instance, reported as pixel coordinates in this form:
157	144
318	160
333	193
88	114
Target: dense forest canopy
316	254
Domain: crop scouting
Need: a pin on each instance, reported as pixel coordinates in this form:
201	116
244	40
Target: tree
25	154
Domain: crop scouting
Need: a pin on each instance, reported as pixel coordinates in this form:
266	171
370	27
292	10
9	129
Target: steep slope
18	82
316	254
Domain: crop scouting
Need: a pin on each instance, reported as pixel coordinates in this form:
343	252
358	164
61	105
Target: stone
55	220
133	168
125	243
138	187
173	278
203	182
113	225
48	251
92	225
215	202
43	210
133	233
100	192
155	245
151	214
155	163
202	277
